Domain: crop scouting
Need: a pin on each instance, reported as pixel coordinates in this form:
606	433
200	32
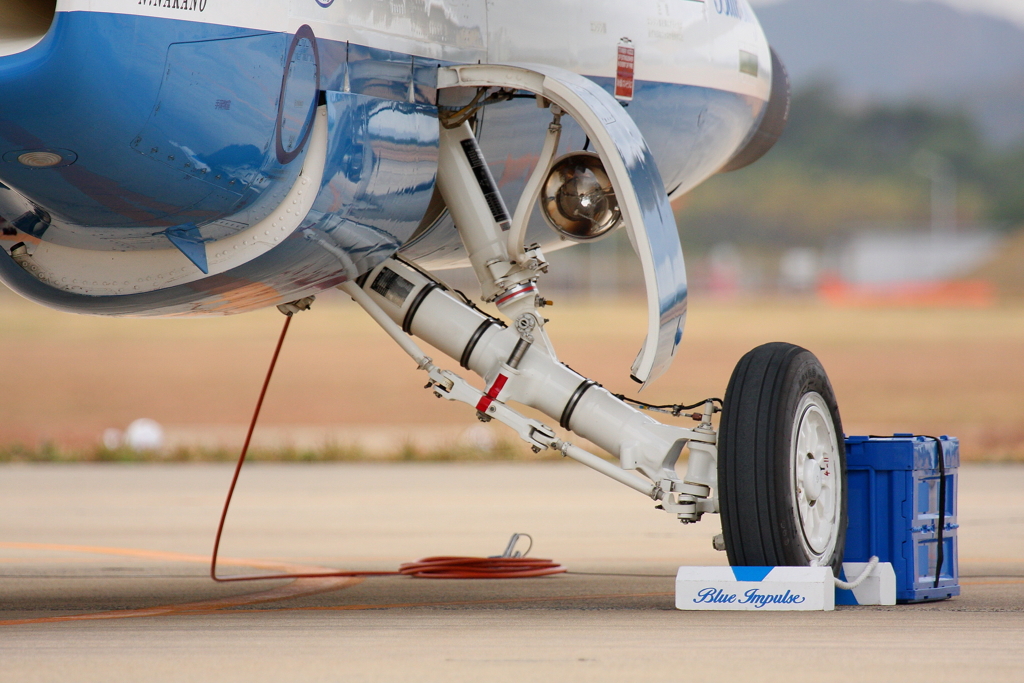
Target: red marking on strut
513	294
492	393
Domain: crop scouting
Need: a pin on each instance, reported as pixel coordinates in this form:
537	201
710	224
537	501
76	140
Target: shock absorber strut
515	368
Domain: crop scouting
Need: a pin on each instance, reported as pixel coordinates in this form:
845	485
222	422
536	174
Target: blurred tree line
838	168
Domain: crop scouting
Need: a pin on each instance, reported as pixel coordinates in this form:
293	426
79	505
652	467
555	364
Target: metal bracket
447	385
531	193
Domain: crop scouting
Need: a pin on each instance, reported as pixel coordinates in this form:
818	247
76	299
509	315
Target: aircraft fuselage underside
179	134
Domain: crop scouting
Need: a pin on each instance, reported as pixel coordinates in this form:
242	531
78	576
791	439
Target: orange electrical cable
429	567
480	568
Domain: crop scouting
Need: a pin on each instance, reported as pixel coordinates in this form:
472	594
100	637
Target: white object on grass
144	435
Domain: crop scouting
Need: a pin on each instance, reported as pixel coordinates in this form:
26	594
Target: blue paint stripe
751	573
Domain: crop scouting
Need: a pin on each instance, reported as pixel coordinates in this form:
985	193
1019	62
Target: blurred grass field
66	378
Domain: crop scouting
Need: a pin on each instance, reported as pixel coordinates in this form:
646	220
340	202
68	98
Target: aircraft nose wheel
781	462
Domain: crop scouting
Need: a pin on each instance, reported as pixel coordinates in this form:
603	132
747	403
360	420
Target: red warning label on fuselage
624	73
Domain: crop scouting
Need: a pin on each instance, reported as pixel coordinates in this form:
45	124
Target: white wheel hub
817	485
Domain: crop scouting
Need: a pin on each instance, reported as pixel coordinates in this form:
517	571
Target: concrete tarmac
103	577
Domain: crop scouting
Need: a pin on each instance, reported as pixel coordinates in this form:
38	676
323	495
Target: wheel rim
817	483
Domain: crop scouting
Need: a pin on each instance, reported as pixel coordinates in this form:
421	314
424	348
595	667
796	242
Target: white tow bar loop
850	585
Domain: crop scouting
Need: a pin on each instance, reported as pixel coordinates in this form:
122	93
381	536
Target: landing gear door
644	204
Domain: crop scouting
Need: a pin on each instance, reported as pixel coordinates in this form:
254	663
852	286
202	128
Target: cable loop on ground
444	567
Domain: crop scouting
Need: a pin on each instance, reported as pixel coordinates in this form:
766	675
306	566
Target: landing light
578	199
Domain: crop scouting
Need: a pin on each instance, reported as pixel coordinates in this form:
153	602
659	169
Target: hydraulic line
673	409
442	567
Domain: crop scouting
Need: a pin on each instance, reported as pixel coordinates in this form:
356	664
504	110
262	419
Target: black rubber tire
756	482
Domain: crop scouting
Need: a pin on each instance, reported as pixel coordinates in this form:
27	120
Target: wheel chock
755	588
783	588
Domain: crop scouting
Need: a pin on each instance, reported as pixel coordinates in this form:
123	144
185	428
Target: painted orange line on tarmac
145	554
295	589
42	560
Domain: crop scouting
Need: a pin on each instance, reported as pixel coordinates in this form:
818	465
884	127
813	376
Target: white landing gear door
638	186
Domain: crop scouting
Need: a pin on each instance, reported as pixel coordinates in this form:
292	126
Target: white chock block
877	588
755	588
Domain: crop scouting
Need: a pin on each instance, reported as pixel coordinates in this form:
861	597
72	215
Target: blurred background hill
896	51
903	161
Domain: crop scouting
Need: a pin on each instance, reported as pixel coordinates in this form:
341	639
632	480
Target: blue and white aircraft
198	157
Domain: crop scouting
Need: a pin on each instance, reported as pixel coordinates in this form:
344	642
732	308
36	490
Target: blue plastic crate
893	503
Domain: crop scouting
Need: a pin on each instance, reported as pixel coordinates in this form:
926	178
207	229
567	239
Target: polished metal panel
379	73
447	30
377	185
380	174
212	121
387	74
679	42
164	125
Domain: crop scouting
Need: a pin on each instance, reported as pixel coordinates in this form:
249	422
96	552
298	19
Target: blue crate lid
900	452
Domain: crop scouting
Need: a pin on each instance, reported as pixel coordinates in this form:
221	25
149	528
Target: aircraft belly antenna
635	180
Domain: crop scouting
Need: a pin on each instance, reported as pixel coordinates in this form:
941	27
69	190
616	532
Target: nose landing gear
775	469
